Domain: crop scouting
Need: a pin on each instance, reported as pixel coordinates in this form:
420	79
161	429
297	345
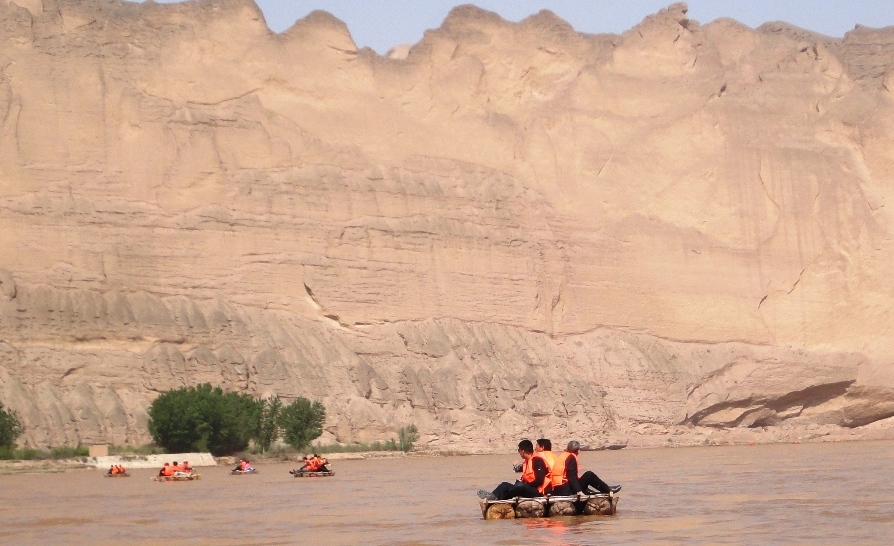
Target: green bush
10	428
387	445
407	436
203	418
66	452
31	454
268	422
302	422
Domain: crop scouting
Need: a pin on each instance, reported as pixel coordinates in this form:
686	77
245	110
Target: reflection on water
781	494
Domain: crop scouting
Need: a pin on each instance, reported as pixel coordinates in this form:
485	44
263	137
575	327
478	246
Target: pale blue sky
381	24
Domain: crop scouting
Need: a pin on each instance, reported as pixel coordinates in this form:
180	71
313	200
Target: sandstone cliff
507	229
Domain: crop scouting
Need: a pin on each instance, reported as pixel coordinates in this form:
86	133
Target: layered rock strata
677	234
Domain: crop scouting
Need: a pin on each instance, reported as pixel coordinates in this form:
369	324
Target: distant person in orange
167	470
184	467
320	463
305	466
113	470
311	465
244	466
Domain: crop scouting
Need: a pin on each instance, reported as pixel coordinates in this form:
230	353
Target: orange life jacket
243	465
168	470
549	457
557	472
120	469
113	470
528	475
313	464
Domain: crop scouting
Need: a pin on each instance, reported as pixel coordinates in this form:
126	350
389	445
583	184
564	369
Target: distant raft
604	504
305	474
241	472
182	478
119	475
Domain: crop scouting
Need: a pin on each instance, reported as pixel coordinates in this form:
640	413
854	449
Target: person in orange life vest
244	466
320	463
545	448
305	467
534	480
564	475
167	470
311	464
184	467
113	470
120	469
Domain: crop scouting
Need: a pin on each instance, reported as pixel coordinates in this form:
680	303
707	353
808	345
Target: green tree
268	422
10	428
203	418
302	422
407	436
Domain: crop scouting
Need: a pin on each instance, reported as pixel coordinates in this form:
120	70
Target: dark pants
588	479
508	490
592	480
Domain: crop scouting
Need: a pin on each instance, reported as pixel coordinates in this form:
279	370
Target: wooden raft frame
176	478
312	474
605	504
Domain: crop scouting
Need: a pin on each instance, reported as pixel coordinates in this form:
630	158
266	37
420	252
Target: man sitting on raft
564	478
534	480
182	470
319	463
244	466
314	463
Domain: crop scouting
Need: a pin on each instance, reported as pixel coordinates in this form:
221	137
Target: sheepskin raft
125	475
312	474
241	472
604	504
189	478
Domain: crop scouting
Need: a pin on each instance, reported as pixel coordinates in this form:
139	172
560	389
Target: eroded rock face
504	230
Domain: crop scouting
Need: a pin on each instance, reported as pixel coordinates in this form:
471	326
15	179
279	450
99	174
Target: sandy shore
674	437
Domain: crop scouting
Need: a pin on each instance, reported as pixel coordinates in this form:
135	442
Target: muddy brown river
834	493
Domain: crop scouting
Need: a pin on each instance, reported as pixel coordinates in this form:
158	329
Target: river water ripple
778	494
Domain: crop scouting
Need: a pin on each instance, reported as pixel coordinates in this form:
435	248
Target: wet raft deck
540	507
189	478
312	474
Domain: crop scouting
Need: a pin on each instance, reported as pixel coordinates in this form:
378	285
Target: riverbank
645	437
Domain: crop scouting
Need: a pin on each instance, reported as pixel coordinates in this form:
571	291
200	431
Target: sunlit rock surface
674	235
